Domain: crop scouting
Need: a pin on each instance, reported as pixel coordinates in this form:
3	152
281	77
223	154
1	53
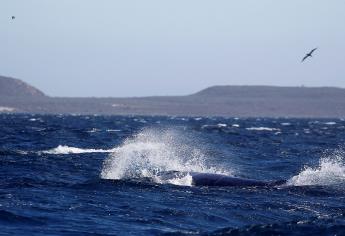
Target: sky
110	48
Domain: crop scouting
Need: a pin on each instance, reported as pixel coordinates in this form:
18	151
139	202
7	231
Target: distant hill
256	91
17	88
235	101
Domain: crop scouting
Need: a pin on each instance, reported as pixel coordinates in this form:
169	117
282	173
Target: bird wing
312	50
305	57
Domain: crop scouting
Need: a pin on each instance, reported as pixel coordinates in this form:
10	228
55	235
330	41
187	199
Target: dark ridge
11	87
270	91
228	101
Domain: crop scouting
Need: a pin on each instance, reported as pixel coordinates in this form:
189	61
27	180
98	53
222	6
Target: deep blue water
80	175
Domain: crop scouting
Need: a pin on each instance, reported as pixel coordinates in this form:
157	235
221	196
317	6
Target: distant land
17	96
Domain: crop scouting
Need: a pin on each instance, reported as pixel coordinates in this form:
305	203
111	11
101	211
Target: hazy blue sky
146	47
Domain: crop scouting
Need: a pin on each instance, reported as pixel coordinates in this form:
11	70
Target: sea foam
61	149
262	129
330	171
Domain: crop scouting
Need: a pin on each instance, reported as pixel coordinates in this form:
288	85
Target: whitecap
306	131
205	126
113	130
262	129
140	120
22	152
93	130
61	149
330	171
218	126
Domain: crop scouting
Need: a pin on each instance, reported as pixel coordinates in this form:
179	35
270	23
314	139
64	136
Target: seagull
308	54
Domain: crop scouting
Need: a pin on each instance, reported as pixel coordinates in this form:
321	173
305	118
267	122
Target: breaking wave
330	171
153	152
262	129
61	149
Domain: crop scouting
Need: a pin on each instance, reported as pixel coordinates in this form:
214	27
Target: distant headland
17	96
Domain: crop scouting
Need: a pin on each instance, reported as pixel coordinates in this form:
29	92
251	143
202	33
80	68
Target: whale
211	179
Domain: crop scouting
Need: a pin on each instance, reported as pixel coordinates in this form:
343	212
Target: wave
330	123
262	129
152	152
113	130
61	149
330	171
217	126
93	130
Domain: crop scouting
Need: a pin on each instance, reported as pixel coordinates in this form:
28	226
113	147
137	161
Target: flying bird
308	54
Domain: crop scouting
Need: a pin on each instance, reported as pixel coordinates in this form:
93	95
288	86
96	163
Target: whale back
207	179
210	179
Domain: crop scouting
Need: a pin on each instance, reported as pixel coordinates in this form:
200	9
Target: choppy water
67	175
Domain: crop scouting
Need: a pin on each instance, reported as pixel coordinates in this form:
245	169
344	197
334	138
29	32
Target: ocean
104	175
